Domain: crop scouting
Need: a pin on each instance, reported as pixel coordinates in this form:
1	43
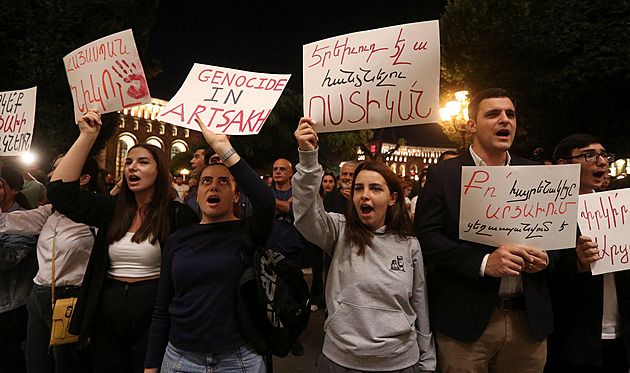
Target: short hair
576	141
448	152
12	177
207	154
406	184
354	164
473	107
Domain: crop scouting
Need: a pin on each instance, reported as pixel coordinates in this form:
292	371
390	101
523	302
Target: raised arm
311	220
69	169
263	201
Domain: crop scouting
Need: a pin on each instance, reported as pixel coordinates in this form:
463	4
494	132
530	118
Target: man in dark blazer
490	307
592	313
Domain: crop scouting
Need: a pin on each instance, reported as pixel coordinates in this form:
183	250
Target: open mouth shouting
599	175
366	210
503	133
133	180
213	201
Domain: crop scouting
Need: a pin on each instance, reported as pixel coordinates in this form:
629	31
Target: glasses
592	157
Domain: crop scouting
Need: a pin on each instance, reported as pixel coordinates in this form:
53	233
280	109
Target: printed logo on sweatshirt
398	264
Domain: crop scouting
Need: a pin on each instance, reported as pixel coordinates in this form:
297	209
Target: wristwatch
227	154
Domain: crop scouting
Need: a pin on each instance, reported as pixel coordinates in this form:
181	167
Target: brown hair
397	220
473	107
155	222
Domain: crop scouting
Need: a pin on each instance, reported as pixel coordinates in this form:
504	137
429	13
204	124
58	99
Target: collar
480	162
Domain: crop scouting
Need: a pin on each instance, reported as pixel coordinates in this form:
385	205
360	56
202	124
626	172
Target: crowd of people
156	263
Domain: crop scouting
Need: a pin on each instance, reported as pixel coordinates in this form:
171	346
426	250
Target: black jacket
98	210
461	301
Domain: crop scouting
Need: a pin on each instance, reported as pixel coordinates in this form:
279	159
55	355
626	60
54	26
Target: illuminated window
125	142
153	140
174	131
162	129
149	127
178	146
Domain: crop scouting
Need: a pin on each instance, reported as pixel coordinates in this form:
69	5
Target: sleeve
439	247
79	205
313	222
25	221
14	248
161	321
419	302
262	200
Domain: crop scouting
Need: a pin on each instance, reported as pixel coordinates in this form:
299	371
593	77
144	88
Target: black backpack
273	300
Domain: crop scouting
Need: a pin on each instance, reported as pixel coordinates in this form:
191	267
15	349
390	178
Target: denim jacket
18	266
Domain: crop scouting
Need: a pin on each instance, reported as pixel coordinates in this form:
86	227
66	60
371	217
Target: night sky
264	36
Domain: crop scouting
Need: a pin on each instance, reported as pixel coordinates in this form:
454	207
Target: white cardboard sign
373	79
228	101
535	206
107	75
605	218
17	118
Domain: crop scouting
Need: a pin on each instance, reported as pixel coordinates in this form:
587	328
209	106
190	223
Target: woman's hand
306	135
219	142
90	123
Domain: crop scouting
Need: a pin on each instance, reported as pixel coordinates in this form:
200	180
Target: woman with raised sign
120	284
195	326
376	293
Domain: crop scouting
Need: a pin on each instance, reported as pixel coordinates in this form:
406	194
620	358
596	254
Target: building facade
139	125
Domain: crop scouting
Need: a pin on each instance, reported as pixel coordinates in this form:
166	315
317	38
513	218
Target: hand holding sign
587	253
90	123
539	261
219	142
306	135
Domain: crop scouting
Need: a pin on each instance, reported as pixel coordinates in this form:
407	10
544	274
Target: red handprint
138	88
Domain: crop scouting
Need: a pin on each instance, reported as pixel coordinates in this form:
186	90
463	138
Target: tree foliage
565	63
37	34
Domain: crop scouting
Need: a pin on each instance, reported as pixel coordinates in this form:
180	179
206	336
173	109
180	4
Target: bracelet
228	154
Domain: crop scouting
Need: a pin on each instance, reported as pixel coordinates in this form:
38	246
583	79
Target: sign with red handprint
17	117
107	75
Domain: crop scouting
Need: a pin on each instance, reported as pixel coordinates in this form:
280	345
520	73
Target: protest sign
17	118
107	75
535	206
373	79
228	101
605	218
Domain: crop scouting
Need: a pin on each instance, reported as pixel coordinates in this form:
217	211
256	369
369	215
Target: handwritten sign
107	75
228	101
605	218
373	79
535	206
17	117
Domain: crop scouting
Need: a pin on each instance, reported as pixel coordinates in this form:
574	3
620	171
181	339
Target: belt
516	303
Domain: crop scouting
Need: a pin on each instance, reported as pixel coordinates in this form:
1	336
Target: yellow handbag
62	313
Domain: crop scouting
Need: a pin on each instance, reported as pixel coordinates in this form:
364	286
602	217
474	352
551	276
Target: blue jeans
239	360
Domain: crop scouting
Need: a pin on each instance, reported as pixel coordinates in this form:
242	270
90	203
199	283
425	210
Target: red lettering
199	109
473	179
175	111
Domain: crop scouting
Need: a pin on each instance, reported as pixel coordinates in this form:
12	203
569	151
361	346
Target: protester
18	265
406	192
337	200
196	308
328	184
490	306
592	332
73	244
197	163
180	187
376	294
116	300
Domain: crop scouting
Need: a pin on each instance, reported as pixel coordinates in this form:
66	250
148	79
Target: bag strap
53	271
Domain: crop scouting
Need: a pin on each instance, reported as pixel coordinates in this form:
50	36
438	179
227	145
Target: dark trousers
614	357
314	258
12	337
121	333
40	358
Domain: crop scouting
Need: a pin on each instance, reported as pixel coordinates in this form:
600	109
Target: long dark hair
397	220
155	222
321	186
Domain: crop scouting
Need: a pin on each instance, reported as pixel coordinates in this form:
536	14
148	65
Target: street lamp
454	118
184	172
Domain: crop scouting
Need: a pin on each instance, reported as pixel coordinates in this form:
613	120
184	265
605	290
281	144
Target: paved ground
312	339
